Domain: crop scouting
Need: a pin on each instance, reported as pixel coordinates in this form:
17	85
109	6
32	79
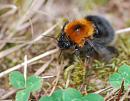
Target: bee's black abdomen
104	32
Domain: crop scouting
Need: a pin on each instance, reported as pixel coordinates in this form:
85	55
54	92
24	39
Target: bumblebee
90	36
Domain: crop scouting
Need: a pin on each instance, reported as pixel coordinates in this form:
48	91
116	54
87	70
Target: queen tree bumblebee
90	36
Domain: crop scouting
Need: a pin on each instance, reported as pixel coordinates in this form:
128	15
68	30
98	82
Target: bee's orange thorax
79	30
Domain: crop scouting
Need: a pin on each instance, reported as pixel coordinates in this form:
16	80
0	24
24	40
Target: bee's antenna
51	37
65	25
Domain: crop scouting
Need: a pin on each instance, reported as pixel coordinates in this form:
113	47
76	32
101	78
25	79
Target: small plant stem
12	91
125	95
68	81
56	80
125	30
105	89
120	91
46	77
28	62
13	9
25	69
13	49
42	68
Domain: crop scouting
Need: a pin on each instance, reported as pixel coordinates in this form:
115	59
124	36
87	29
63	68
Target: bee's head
75	33
64	42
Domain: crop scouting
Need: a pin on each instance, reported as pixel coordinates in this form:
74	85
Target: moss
77	72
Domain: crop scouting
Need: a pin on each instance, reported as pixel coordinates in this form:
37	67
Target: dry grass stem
13	49
42	69
28	62
9	51
102	90
46	77
56	80
8	94
12	10
125	30
25	68
125	95
109	95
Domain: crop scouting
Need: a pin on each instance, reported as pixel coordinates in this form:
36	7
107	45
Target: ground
23	26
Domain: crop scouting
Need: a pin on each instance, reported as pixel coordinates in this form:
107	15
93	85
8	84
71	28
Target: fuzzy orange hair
79	35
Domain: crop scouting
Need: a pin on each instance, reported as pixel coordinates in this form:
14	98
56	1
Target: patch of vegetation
71	94
123	75
76	72
32	84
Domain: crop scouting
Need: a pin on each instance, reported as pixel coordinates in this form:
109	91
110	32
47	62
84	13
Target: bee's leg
77	52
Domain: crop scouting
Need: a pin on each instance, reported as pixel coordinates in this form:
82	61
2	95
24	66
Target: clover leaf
93	97
71	94
17	79
122	74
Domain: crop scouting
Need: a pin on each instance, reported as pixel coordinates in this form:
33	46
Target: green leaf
124	70
46	98
123	74
57	95
71	94
68	94
33	83
17	80
116	80
22	95
76	99
93	97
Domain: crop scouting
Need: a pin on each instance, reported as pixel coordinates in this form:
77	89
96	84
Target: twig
124	96
31	25
46	77
67	81
28	62
112	93
32	7
39	71
102	90
56	81
9	51
8	94
125	30
44	34
120	91
25	68
36	73
12	10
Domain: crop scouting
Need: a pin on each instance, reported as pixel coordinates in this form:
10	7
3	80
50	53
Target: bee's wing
104	52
